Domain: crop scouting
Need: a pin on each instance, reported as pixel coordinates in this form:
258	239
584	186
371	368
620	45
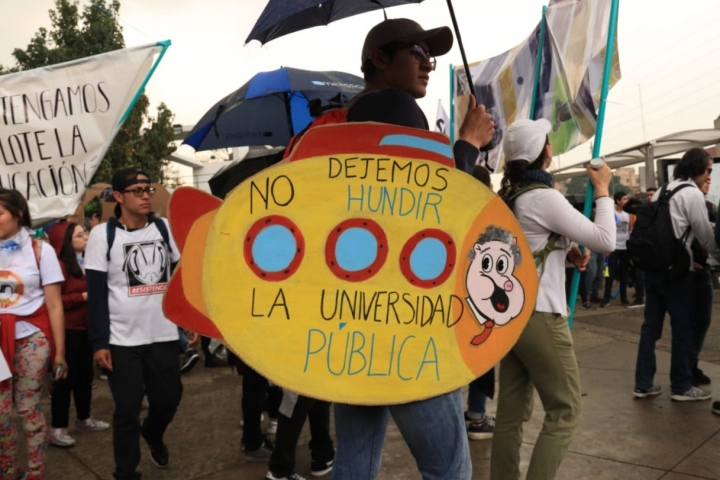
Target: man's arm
98	309
397	107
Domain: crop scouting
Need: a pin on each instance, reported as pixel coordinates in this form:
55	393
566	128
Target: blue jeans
703	311
434	430
594	274
183	341
476	401
677	298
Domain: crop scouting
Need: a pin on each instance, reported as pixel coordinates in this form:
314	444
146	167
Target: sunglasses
139	192
419	52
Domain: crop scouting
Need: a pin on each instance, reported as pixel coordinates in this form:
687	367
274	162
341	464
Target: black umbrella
271	107
281	17
236	171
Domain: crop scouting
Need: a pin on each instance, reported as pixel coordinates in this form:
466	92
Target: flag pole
590	194
451	127
538	64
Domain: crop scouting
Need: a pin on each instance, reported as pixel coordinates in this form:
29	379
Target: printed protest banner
354	271
57	122
570	80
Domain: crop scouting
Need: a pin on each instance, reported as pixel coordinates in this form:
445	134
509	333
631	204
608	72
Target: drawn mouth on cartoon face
499	299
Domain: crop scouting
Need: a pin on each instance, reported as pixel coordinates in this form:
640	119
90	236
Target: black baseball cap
128	176
439	40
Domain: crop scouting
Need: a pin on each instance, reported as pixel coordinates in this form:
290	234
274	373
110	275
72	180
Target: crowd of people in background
86	272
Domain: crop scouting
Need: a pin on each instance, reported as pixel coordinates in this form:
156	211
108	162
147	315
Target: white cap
525	139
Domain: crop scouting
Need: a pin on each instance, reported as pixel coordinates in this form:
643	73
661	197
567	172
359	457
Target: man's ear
379	59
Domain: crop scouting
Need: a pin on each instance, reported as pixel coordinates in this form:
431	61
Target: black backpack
653	246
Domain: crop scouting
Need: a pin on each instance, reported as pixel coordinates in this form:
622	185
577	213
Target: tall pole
462	49
451	127
590	194
538	65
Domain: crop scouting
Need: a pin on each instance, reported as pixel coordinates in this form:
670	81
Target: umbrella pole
590	192
462	49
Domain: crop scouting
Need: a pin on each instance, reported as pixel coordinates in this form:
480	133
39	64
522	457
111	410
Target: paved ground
620	437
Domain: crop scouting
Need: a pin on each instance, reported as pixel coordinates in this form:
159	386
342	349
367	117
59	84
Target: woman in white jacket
543	356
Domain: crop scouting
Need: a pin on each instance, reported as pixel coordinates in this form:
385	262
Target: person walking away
128	262
31	334
543	356
619	259
397	59
69	241
703	298
673	291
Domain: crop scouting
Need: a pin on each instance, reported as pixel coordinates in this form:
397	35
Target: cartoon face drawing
495	294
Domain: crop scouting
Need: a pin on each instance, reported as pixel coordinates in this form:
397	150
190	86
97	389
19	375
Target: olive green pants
544	358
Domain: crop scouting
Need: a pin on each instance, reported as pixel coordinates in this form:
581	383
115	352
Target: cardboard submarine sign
363	269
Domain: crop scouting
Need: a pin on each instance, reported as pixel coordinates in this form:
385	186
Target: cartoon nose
508	286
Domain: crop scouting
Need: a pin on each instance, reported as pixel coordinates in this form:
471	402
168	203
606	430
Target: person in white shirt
543	357
32	332
619	260
128	263
674	292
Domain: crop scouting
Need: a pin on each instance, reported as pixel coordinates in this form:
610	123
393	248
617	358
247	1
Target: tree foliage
142	141
578	186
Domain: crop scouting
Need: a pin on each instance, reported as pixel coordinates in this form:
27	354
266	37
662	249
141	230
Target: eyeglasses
423	55
139	192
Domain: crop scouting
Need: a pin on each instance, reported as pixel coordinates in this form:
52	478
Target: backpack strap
37	250
112	224
540	256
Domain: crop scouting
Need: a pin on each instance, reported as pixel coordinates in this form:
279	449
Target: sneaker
60	438
271	427
483	430
191	358
212	361
716	407
103	377
158	453
636	304
91	425
699	377
652	391
318	469
588	306
691	395
293	476
604	304
262	454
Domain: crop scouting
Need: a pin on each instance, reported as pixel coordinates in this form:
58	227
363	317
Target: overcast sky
669	51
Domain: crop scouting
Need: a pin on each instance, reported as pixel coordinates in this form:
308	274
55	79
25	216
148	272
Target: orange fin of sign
178	309
187	204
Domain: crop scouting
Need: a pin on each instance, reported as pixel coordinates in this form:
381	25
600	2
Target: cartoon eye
502	264
487	263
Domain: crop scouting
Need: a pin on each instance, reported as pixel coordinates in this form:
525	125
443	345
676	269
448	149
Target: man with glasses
397	59
128	263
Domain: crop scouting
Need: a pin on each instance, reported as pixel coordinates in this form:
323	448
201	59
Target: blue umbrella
271	108
281	17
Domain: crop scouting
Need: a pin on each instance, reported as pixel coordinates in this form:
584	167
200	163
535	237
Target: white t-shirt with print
138	275
622	226
21	292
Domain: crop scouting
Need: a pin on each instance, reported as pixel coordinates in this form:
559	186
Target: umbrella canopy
271	108
281	17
